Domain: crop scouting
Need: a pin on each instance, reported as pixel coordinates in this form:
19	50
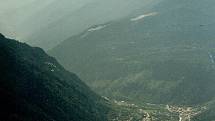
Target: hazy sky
38	21
14	13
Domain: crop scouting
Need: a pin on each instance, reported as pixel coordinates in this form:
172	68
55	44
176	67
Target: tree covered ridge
35	87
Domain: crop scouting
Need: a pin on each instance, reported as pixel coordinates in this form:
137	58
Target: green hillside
164	54
34	86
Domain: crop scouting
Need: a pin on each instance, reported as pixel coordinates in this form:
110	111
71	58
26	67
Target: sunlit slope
162	55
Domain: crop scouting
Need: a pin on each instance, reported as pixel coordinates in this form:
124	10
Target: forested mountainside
33	86
162	55
142	60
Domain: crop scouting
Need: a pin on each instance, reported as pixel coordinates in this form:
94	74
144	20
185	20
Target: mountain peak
1	35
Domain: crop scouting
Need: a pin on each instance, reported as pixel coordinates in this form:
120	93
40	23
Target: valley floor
152	112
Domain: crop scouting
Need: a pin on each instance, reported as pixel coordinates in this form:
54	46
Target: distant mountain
162	54
47	23
33	86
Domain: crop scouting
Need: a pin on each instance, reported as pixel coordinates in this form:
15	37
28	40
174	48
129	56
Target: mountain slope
163	54
34	86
